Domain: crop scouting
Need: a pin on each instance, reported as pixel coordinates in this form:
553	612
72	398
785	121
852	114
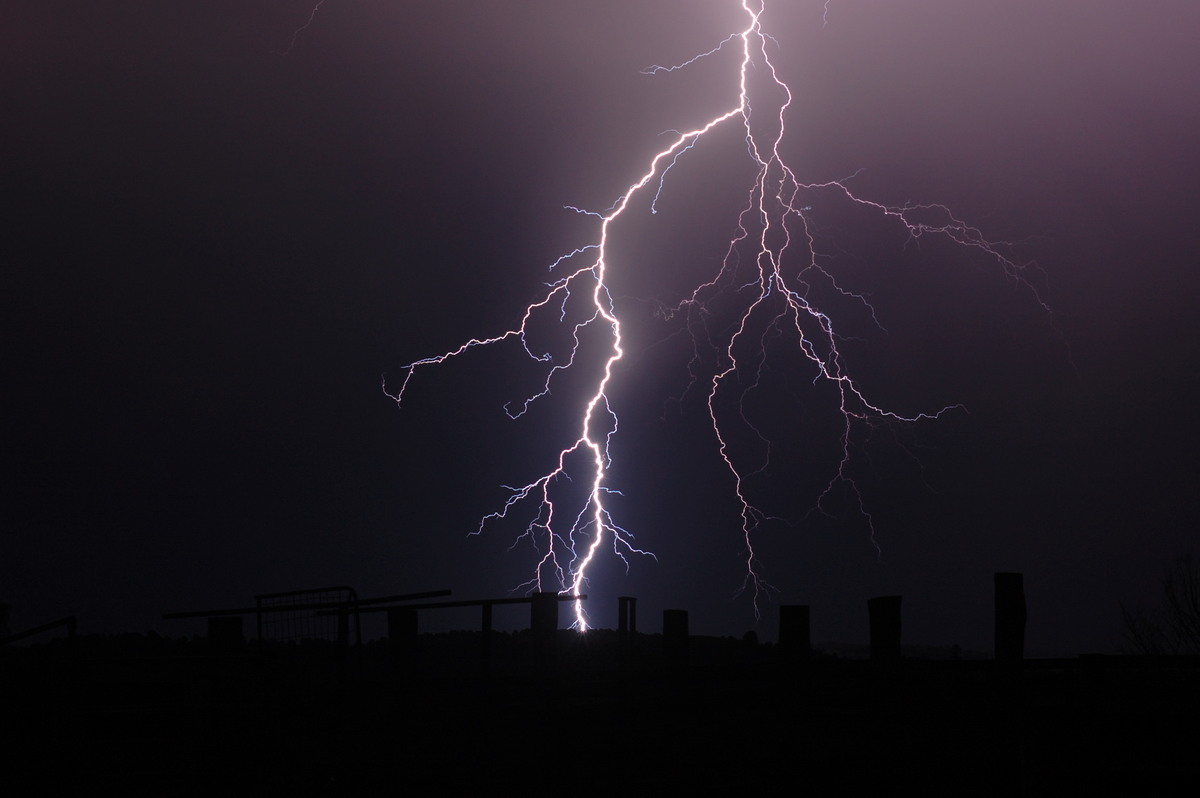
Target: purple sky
213	251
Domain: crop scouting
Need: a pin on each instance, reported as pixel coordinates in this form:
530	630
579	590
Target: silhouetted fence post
795	637
626	624
1010	617
675	634
626	616
884	612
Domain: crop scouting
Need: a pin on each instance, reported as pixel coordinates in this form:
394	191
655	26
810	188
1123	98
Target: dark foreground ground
144	715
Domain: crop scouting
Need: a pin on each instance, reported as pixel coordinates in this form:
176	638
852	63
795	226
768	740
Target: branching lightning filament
775	300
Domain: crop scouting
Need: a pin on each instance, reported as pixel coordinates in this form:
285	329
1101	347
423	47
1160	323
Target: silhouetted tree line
1173	627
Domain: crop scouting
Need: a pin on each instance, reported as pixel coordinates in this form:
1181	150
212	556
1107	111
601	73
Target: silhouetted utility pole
884	612
626	616
626	624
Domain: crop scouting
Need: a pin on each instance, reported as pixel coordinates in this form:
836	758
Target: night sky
213	251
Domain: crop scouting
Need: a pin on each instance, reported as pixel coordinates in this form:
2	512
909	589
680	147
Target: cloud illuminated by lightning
569	529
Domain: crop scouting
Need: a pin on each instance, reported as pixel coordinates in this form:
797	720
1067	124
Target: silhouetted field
147	715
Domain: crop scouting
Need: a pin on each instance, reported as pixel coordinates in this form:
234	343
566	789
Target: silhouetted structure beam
441	605
405	597
325	605
68	622
402	623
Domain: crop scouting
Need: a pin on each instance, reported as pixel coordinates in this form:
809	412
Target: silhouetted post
626	616
225	634
543	622
885	628
1010	617
675	634
626	625
795	638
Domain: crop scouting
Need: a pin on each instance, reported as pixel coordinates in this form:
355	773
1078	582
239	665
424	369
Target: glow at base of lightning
774	224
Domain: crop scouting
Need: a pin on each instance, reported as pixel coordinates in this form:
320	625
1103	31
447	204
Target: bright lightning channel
774	225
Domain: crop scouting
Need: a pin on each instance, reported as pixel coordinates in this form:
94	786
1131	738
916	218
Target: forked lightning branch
769	268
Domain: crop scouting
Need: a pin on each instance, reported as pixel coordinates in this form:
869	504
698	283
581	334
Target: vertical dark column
675	634
626	626
626	616
885	628
795	637
1010	617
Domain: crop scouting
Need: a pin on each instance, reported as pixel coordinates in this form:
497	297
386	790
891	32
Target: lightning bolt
296	33
770	268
